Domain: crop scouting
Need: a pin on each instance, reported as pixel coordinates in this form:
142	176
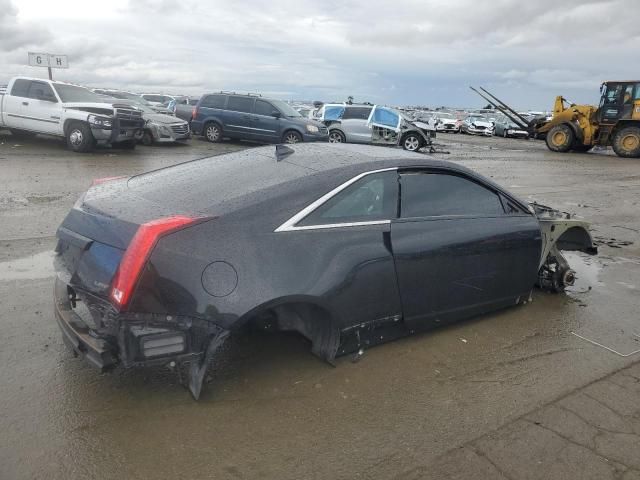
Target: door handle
25	103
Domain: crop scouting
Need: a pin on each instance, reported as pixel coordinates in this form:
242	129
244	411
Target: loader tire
626	142
560	138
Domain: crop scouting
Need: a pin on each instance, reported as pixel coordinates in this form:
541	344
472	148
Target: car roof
225	183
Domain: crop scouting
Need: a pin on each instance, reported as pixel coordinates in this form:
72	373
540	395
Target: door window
359	113
372	198
240	104
434	194
263	108
214	101
20	88
40	91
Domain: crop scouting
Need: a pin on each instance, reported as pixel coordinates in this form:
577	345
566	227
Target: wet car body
163	266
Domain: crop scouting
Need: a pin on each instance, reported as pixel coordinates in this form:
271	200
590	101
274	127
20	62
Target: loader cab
619	101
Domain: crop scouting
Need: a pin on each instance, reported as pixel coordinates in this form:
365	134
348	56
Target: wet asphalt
272	410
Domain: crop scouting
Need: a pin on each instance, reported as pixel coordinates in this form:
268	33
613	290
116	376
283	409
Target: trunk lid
96	232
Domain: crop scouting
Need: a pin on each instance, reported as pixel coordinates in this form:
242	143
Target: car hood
481	123
90	106
162	118
305	121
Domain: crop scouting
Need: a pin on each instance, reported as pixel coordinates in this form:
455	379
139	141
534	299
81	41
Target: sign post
48	60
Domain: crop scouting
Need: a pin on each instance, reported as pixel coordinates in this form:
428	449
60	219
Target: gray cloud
15	34
408	51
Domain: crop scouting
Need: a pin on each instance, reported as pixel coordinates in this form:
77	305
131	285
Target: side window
40	90
20	88
435	194
240	104
214	101
263	108
359	113
373	197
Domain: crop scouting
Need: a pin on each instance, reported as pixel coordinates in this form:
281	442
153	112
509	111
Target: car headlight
101	122
312	129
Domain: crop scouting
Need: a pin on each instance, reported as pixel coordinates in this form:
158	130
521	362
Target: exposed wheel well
68	123
576	238
304	317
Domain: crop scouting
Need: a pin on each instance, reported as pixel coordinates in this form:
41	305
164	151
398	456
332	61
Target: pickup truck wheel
560	138
79	137
626	142
147	138
213	132
22	133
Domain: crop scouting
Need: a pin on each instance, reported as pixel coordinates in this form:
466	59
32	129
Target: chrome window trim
290	225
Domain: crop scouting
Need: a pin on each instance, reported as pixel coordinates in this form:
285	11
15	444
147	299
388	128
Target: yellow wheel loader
615	122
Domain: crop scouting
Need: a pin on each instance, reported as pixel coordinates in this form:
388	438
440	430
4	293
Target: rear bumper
76	335
133	340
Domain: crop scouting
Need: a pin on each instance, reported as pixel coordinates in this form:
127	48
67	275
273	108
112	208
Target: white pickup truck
33	105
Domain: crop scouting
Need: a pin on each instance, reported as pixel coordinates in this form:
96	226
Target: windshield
285	108
448	116
71	93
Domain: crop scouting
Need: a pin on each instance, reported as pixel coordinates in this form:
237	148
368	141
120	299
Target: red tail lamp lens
98	181
138	252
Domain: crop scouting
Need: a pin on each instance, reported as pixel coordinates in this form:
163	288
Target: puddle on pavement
587	268
609	320
32	267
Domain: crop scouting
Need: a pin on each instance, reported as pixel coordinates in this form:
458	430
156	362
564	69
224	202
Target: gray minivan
252	117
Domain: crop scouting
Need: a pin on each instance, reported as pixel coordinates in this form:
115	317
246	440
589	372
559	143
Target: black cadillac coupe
348	245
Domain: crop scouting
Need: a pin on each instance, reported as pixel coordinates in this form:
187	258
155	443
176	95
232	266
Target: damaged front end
560	232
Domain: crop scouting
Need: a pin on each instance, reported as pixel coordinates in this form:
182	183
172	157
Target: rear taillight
98	181
194	113
138	252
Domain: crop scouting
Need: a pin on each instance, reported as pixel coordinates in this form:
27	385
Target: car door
42	110
237	117
265	121
350	264
16	102
354	124
457	250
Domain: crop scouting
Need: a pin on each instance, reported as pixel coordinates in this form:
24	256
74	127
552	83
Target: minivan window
214	101
20	88
286	109
263	108
240	104
372	198
359	113
434	194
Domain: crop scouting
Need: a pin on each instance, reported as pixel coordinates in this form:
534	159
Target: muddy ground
271	409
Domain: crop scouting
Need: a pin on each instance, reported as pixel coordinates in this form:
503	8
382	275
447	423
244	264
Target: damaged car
348	245
477	125
375	124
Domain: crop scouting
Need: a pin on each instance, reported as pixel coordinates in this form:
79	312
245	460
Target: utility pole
50	73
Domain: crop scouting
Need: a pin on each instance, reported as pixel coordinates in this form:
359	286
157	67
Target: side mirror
276	114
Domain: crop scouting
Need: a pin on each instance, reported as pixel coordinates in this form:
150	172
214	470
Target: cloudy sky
397	52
